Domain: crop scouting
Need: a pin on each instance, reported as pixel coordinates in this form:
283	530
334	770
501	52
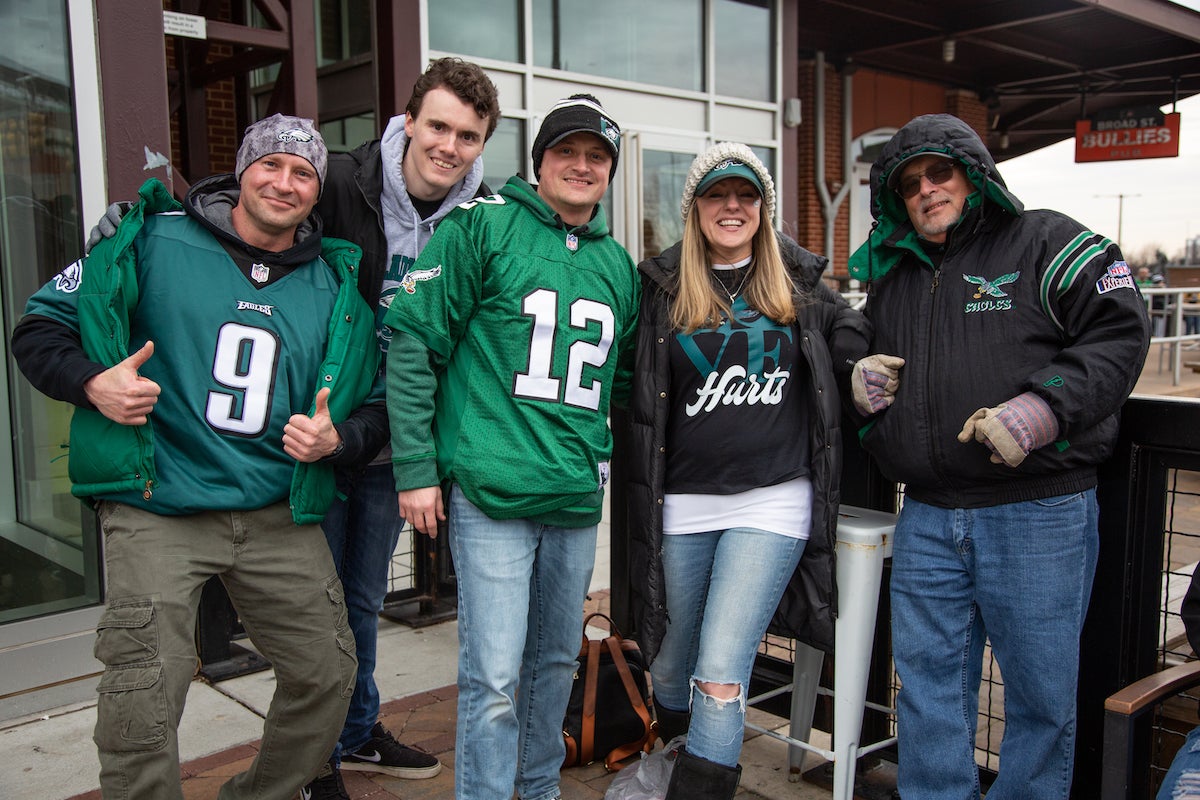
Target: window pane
459	26
743	47
664	173
767	156
343	29
660	42
504	154
343	135
48	547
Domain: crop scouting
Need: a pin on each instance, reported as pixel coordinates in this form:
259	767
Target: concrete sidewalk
51	756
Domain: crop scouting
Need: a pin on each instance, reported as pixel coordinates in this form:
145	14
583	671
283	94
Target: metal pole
1120	211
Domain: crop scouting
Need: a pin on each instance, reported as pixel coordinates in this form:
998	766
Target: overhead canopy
1039	65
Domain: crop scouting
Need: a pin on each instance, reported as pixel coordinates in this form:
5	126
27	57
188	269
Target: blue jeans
722	588
1183	778
362	528
1020	576
521	590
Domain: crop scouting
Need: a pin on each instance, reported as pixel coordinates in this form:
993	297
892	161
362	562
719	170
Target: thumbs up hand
122	395
310	439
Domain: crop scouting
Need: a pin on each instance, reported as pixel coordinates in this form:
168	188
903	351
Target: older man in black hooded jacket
1005	343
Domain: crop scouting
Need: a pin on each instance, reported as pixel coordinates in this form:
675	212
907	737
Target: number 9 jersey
233	360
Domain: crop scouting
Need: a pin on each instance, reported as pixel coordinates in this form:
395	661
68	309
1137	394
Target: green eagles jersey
234	362
526	323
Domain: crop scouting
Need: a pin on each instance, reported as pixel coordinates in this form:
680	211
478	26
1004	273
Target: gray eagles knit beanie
280	133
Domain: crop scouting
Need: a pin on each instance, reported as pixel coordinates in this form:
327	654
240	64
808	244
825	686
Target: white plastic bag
648	778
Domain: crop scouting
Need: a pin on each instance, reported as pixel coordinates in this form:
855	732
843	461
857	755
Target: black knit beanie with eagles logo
579	113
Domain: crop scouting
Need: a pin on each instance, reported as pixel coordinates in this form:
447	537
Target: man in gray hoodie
387	196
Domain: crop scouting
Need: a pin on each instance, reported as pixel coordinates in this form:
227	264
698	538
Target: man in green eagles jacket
219	355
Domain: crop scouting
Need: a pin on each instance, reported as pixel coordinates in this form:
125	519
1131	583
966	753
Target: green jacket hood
893	235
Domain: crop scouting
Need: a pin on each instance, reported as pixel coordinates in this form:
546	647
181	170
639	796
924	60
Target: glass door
50	581
652	185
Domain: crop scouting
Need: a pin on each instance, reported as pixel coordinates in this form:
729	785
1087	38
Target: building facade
97	95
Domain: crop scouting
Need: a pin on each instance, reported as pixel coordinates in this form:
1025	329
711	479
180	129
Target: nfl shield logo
259	272
572	242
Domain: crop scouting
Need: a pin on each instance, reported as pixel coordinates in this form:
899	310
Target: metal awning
1039	65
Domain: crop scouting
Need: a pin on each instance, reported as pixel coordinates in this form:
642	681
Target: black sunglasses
938	173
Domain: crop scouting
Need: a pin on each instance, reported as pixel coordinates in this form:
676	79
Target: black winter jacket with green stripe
1016	301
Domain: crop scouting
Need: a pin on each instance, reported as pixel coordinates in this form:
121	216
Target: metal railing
1149	537
1149	545
1171	315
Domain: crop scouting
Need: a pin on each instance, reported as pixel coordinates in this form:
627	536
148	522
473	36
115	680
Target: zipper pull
937	273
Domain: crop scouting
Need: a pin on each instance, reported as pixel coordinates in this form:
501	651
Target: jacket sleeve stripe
1065	268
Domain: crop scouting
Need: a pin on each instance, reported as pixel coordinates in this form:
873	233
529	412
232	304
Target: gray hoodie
406	233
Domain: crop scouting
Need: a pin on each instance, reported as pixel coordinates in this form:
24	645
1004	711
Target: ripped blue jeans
1183	778
722	588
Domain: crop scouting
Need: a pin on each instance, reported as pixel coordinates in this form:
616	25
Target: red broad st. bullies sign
1127	134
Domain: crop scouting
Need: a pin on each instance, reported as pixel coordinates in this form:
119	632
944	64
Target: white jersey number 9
244	363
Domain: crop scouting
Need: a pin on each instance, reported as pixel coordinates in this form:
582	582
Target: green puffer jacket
109	458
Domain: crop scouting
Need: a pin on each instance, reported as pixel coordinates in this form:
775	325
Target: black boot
671	723
695	778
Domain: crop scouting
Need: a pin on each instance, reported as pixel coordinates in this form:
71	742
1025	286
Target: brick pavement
424	720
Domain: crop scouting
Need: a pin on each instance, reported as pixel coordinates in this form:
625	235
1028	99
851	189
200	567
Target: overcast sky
1162	195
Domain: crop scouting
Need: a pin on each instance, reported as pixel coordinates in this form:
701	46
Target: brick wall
223	133
967	107
879	101
221	114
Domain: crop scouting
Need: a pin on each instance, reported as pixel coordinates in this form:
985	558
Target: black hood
937	133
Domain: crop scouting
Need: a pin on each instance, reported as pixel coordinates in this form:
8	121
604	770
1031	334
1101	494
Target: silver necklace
741	285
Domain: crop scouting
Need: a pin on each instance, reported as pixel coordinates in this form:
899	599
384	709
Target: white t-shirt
785	508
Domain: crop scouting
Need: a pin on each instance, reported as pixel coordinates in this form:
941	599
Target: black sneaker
384	754
326	786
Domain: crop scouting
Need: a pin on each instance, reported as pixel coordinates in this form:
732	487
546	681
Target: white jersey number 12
537	383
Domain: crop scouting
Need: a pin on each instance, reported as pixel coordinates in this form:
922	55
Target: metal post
1120	210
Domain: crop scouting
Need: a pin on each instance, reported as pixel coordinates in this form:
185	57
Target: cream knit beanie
716	156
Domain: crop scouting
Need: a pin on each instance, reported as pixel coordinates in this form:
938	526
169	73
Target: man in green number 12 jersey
513	332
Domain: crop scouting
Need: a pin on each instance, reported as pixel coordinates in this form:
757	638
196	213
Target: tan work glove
1012	430
873	382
